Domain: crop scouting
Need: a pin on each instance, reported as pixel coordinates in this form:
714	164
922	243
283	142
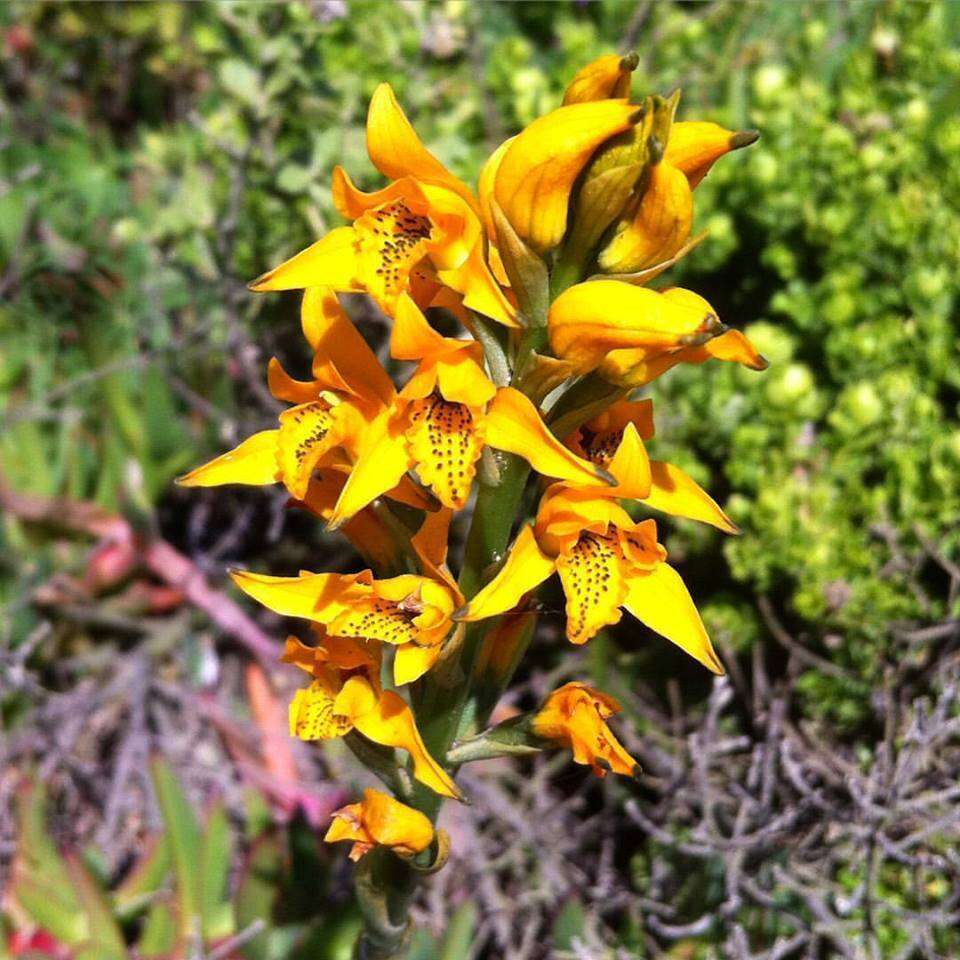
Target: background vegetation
153	157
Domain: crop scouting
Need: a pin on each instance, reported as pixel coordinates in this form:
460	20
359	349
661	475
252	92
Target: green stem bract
589	396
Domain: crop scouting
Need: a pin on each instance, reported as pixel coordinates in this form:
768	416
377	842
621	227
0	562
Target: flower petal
540	167
676	493
336	340
593	319
695	146
485	188
397	151
526	567
380	465
389	721
413	661
657	230
481	292
461	378
331	262
514	424
253	462
412	338
320	597
660	600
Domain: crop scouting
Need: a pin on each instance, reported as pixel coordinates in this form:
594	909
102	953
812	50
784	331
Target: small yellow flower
615	327
630	335
411	612
422	230
443	418
606	561
330	413
346	695
379	820
575	716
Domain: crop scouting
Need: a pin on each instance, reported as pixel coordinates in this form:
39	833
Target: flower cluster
546	268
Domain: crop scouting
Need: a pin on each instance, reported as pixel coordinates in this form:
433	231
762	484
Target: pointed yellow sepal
605	78
695	146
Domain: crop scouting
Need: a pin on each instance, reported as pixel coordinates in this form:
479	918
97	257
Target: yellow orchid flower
424	227
345	695
606	561
443	418
350	388
536	174
605	78
696	145
411	612
379	820
630	335
575	716
615	441
612	326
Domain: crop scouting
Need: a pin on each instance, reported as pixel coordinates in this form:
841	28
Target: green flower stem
447	704
385	886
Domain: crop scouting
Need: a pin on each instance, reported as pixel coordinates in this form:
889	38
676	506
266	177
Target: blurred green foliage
191	890
153	157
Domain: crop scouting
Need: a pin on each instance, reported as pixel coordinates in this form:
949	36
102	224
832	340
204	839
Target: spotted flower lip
379	820
345	695
575	716
418	234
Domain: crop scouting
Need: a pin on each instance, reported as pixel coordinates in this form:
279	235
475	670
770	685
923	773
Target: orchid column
546	268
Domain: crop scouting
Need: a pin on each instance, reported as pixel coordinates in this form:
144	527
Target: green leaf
145	879
159	937
569	924
459	936
183	831
103	932
258	892
512	738
527	272
216	910
241	81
